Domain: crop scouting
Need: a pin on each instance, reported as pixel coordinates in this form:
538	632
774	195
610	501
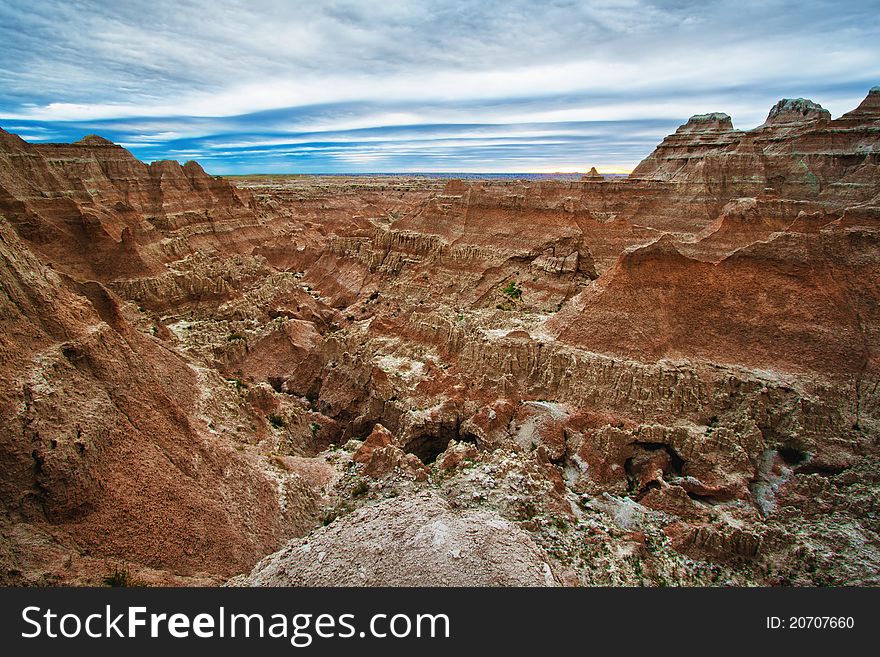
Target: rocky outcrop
593	176
94	210
799	153
772	305
797	110
408	541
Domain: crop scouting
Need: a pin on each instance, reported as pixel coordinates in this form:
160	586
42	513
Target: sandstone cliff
94	210
799	152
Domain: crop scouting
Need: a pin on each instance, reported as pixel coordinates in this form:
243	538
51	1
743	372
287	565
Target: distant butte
593	175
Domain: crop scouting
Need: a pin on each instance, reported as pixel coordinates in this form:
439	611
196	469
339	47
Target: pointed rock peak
11	140
665	243
662	248
94	140
165	166
872	100
193	168
593	175
706	122
797	110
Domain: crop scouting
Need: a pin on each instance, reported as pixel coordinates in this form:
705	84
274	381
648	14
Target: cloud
169	77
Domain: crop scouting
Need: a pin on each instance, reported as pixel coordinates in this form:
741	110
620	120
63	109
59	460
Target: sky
283	86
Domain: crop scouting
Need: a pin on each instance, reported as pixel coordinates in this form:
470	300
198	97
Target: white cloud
168	71
635	88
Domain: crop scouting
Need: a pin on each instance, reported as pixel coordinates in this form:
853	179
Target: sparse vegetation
276	421
512	291
360	488
560	523
238	384
637	569
120	576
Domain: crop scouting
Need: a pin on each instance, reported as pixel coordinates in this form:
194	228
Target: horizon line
416	173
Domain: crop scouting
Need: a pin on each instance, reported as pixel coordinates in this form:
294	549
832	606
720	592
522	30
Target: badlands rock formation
667	379
411	541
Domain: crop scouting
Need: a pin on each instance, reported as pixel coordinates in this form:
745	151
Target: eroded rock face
409	541
92	208
671	378
771	305
108	446
798	153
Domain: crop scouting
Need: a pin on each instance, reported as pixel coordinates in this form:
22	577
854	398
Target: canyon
665	379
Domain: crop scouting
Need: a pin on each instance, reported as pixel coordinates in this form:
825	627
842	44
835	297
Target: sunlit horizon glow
443	86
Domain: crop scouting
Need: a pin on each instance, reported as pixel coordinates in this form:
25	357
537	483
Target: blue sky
418	85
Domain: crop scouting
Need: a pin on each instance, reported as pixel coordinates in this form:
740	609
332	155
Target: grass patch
120	577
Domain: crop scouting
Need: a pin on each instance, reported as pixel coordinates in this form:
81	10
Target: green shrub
512	291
